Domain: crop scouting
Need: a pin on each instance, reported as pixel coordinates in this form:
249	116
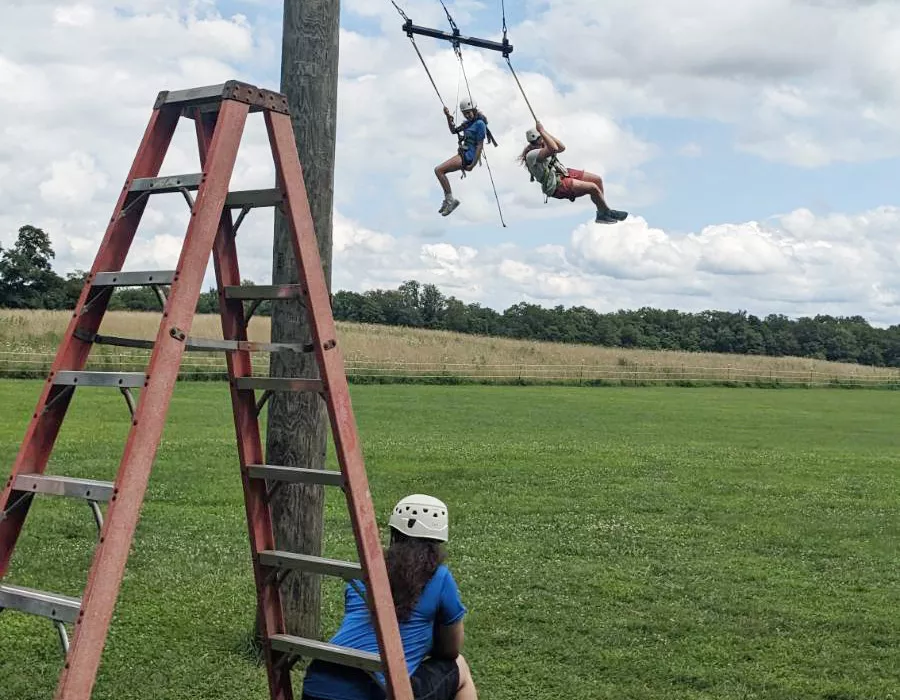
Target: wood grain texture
298	423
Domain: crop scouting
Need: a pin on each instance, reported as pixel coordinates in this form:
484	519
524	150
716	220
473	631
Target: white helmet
466	105
421	516
532	135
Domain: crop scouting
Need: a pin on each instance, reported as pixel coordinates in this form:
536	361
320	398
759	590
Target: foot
449	206
605	217
618	215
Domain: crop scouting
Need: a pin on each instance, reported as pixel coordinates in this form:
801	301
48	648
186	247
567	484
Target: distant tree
27	280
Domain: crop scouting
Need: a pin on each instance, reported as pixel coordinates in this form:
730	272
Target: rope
483	154
419	54
496	196
400	10
428	72
509	63
521	89
449	17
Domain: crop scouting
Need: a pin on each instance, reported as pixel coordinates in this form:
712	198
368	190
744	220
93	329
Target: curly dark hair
411	562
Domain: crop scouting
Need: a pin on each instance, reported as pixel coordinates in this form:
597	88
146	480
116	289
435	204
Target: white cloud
833	264
807	83
77	82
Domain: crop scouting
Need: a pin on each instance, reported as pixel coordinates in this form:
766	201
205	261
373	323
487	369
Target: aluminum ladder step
296	475
314	386
131	380
311	648
133	279
315	565
253	199
166	184
59	608
265	292
88	489
239	199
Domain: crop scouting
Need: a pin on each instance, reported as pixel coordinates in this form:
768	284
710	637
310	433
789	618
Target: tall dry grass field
28	340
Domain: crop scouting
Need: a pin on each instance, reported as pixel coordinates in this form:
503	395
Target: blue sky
759	173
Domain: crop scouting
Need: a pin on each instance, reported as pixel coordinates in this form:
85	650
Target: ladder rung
65	486
133	279
296	475
277	384
251	199
316	565
169	183
51	605
279	291
115	379
345	656
198	344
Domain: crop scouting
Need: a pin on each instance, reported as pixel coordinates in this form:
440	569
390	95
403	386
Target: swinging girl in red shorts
556	181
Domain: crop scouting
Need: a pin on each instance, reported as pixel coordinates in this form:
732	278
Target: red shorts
564	189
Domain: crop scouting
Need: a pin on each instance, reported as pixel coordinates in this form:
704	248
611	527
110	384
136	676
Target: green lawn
610	543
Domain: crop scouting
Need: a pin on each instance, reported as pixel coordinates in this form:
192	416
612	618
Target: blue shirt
474	134
439	603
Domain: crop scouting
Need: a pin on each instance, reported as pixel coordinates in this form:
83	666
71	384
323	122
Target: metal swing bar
455	37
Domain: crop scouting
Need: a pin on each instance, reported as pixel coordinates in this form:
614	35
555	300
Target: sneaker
605	218
618	215
449	207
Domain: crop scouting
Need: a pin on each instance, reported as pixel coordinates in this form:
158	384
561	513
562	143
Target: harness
466	141
554	164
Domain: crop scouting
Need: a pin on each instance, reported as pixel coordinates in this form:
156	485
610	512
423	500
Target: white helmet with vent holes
467	106
421	516
533	135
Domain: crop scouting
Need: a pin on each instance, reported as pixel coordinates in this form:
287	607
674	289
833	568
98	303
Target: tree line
27	281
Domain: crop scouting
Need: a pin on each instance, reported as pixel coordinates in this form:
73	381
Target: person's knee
438	171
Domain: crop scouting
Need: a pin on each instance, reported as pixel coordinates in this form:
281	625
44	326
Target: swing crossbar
456	38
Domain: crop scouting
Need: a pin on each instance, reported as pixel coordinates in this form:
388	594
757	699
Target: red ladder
220	113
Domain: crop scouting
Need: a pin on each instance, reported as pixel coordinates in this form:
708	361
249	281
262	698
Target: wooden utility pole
298	422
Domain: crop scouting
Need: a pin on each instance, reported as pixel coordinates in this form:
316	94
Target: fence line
212	366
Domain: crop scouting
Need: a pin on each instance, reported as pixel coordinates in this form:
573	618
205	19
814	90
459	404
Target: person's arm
551	144
448	640
482	135
448	633
450	123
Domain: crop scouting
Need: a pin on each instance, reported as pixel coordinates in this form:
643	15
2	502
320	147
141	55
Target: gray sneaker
605	217
449	206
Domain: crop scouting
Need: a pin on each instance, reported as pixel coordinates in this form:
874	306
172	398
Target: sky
754	143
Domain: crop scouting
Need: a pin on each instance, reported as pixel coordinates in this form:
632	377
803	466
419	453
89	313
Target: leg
591	177
449	166
466	684
452	165
597	180
580	188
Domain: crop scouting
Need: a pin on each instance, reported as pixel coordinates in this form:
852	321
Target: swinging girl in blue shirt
471	134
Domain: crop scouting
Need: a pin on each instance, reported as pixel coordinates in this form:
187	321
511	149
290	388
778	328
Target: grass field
29	339
616	543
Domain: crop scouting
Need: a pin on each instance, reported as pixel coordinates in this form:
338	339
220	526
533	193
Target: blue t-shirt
474	134
439	602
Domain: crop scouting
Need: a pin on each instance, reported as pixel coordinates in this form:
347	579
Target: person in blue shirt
472	133
429	611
